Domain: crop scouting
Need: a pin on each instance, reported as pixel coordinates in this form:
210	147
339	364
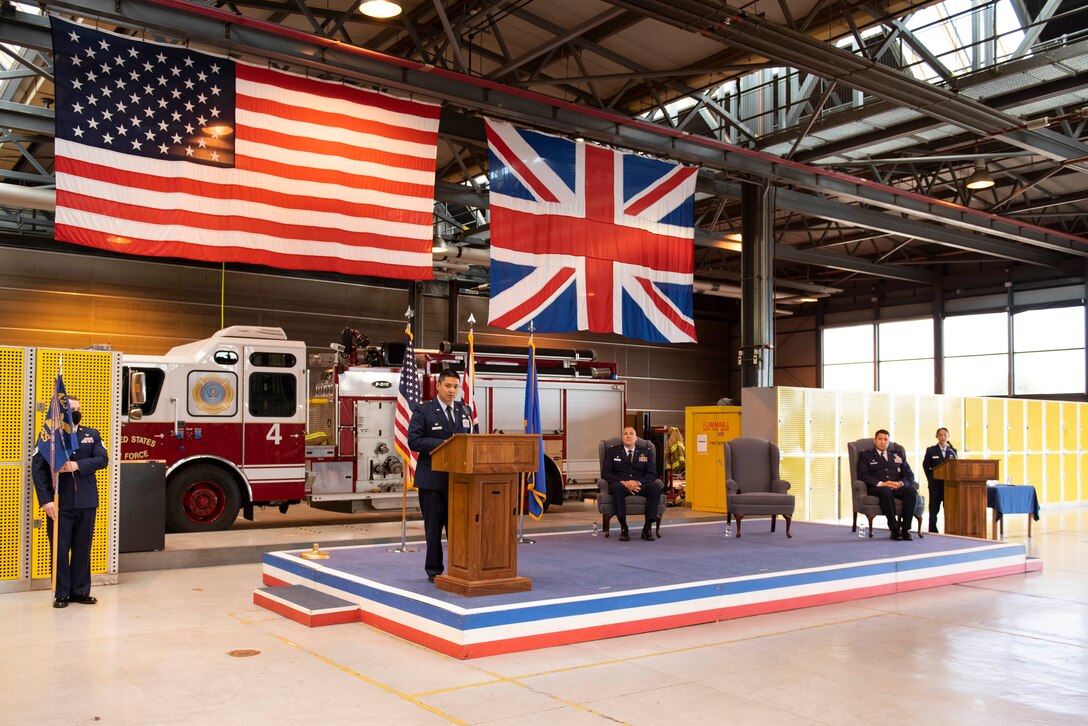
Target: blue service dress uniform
618	469
873	469
427	430
78	508
934	458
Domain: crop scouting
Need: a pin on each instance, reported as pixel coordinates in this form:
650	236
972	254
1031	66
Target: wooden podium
965	494
483	548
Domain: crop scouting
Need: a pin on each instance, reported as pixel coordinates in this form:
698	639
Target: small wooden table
1009	499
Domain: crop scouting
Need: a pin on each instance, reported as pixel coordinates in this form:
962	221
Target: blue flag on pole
535	482
57	440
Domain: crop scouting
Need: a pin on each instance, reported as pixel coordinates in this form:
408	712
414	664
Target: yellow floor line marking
377	684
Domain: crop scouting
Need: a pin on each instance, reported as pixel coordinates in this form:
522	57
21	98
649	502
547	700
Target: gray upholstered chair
865	503
635	504
753	486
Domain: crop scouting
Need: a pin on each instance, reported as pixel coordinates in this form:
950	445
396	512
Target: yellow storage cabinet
706	428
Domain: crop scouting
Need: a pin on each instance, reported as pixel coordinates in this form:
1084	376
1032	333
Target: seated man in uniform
888	477
630	469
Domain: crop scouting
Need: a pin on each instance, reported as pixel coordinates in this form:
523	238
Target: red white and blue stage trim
588	588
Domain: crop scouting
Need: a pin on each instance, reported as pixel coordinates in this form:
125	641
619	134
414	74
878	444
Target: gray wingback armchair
865	503
753	486
635	504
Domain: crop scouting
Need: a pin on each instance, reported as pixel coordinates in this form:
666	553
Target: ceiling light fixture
381	9
980	178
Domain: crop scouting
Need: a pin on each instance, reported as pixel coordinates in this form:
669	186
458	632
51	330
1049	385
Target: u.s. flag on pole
588	238
408	395
164	151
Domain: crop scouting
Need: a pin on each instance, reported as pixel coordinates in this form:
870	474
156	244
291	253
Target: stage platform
589	588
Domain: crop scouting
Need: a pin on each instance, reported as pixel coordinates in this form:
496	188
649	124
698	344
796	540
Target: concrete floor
162	647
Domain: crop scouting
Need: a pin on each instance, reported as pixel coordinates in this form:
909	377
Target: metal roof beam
835	261
739	29
203	24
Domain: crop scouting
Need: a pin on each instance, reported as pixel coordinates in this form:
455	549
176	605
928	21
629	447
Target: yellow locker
974	410
905	431
1070	425
1034	413
880	413
13	467
791	421
929	419
1053	478
1014	424
995	426
952	419
822	494
1052	411
1035	475
846	483
793	469
1014	469
1083	409
853	423
706	429
822	416
1070	478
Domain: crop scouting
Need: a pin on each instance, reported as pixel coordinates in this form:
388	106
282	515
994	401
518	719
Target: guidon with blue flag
589	238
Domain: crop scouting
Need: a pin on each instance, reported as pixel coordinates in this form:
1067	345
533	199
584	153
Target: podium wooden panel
483	499
965	494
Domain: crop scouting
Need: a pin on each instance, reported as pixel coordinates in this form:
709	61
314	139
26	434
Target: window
905	360
272	394
272	360
976	355
1048	351
153	380
225	357
848	358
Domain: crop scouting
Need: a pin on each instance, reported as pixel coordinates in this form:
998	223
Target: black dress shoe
647	535
897	535
60	602
906	535
84	599
430	578
624	536
934	530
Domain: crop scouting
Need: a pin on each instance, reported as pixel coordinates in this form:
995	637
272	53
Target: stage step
306	605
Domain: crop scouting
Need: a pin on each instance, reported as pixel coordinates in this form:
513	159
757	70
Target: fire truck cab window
153	380
272	394
226	357
272	360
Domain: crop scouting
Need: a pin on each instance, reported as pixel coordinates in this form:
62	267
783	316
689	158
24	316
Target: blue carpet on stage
586	587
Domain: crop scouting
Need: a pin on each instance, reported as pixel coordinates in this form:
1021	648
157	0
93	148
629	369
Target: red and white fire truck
246	418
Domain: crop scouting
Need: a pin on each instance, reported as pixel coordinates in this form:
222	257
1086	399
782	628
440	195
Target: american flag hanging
589	238
164	151
408	395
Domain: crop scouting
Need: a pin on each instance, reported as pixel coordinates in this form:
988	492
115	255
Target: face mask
75	417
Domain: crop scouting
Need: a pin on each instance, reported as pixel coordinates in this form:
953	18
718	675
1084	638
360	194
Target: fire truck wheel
201	498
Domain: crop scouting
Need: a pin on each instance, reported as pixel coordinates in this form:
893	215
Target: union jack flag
588	238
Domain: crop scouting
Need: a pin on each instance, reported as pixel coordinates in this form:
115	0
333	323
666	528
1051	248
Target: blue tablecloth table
1010	499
